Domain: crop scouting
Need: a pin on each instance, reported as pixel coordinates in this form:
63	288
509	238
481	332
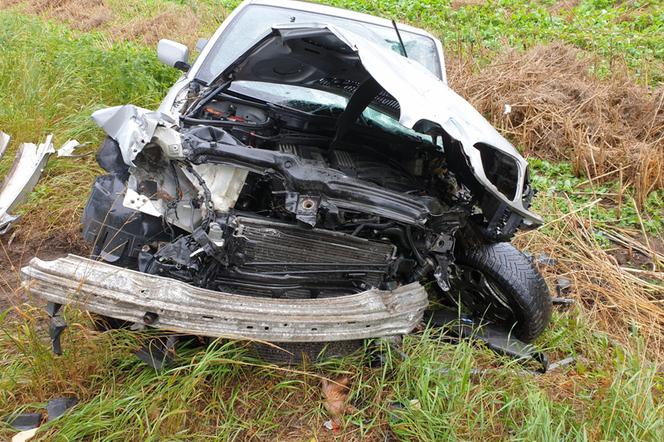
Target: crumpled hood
325	57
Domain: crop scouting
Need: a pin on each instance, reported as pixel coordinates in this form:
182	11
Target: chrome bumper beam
176	306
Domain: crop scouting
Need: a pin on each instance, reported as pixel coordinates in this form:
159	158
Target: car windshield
317	102
255	21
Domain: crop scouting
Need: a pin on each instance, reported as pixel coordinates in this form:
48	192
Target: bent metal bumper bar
174	305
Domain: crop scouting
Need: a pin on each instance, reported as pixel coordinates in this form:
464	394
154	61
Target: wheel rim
480	295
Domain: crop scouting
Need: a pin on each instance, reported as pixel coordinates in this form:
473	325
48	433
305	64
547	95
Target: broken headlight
501	170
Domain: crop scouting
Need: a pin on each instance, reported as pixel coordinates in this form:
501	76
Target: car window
256	20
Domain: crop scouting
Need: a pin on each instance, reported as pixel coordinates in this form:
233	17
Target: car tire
519	283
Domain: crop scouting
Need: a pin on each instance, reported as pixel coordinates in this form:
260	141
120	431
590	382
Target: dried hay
9	3
562	6
84	15
560	111
176	23
619	299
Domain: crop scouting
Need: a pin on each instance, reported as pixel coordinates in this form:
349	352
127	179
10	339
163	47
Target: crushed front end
307	194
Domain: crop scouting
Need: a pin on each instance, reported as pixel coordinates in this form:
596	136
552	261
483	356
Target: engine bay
307	213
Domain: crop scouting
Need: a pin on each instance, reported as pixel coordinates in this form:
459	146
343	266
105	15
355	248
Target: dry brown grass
174	23
146	26
456	4
620	300
84	15
560	111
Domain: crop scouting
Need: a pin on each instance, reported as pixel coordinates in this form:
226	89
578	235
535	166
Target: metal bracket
56	326
305	207
55	329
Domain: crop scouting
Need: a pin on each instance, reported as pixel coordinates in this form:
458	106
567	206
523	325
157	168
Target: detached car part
25	172
22	177
303	182
4	142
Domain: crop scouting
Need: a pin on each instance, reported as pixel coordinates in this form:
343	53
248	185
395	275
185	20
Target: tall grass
52	79
432	391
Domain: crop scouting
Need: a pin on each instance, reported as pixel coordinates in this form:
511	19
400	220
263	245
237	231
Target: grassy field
584	79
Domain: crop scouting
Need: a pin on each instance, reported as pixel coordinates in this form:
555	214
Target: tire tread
523	283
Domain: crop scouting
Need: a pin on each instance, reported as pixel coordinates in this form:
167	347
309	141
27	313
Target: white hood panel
290	55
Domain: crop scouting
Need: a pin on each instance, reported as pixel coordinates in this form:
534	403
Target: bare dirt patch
27	241
548	102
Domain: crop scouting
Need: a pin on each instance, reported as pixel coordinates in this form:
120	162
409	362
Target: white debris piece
4	142
67	149
22	178
25	436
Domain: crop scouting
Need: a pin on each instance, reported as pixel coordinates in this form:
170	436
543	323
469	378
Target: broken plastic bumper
173	305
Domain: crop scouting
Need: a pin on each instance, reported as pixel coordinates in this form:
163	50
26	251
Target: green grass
51	80
438	391
570	192
633	31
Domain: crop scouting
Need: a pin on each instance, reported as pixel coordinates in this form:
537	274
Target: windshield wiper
403	46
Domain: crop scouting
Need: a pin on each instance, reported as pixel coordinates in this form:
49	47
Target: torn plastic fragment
55	329
4	142
58	406
498	340
546	260
25	436
67	149
563	285
562	363
24	421
158	353
563	302
22	178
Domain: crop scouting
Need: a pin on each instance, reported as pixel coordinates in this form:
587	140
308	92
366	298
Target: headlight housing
501	169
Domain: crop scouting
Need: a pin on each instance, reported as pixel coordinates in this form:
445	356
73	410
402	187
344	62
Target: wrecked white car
310	178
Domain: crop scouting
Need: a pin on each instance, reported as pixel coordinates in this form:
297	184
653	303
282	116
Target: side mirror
173	54
200	44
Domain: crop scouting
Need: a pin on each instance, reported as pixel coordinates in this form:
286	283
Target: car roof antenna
403	46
